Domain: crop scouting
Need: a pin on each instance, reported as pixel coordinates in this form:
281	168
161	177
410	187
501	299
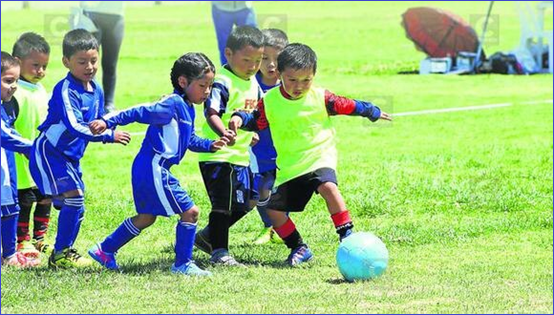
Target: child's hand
230	136
385	116
218	144
235	123
121	137
97	126
255	139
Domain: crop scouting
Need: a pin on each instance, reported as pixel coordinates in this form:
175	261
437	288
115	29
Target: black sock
236	216
41	219
23	222
219	230
294	240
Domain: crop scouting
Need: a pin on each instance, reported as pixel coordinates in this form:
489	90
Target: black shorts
294	195
28	196
228	185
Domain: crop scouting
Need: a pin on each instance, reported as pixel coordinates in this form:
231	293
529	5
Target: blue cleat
190	269
104	258
299	255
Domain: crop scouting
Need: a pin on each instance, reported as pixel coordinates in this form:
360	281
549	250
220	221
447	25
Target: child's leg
70	218
129	229
185	232
337	208
9	231
41	217
26	204
285	228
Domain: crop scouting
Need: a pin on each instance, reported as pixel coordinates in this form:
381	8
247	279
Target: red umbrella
439	33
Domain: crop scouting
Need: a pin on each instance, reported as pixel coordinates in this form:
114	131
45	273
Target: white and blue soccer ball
362	256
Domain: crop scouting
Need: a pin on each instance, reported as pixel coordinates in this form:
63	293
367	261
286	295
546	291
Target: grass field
463	200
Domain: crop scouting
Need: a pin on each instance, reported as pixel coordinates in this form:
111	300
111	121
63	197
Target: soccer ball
362	256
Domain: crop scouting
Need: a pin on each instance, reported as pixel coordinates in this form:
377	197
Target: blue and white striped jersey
171	130
70	110
11	142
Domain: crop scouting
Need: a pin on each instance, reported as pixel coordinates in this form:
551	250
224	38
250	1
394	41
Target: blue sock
184	242
121	236
262	210
68	222
9	235
81	217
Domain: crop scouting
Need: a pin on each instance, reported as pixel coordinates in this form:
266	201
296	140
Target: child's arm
72	118
338	105
253	121
12	141
213	109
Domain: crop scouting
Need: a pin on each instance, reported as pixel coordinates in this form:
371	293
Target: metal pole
477	60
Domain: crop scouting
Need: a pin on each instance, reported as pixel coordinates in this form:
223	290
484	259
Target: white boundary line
436	111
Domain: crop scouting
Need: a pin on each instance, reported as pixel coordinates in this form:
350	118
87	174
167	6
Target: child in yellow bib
304	138
225	173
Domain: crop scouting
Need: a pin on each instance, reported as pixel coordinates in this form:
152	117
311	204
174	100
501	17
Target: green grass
463	200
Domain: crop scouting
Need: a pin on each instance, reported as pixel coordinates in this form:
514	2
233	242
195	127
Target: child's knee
327	188
143	221
191	215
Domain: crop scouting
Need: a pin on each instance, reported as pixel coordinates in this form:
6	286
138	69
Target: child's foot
190	269
103	258
264	236
28	250
299	255
68	258
202	242
222	257
20	261
43	247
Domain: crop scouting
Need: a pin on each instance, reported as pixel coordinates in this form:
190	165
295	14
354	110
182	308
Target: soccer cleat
347	234
275	239
103	258
202	242
28	250
299	255
222	257
264	237
190	269
43	247
20	261
68	258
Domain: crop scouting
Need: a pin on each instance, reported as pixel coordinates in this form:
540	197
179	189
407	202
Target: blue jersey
11	142
171	130
70	110
263	155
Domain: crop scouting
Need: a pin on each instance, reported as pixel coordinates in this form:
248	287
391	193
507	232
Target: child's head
297	64
80	54
244	51
10	75
193	75
274	42
33	52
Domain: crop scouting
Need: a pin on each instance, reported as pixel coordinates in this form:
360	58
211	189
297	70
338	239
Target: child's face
33	66
83	64
244	62
297	83
198	90
9	82
269	63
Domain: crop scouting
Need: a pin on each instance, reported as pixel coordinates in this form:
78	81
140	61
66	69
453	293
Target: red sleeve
338	105
261	120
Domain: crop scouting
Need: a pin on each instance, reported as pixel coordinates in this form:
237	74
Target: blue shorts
262	181
52	171
155	190
9	210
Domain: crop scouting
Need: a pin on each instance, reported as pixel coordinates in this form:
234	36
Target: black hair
192	66
30	42
243	36
297	56
78	40
8	61
275	38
